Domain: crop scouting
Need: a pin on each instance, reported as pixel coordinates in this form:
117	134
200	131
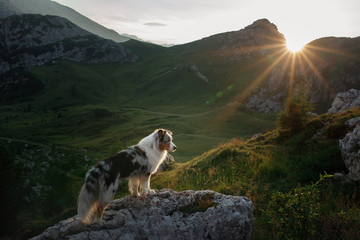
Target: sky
182	21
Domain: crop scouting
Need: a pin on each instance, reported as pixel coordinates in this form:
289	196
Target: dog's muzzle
172	147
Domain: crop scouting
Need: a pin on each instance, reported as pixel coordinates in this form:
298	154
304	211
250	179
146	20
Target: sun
294	46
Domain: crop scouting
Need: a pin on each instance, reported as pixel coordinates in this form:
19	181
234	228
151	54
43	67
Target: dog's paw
136	194
100	222
148	192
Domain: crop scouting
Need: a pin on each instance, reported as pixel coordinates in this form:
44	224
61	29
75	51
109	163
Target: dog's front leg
145	185
134	183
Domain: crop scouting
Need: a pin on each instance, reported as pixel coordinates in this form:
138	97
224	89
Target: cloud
155	24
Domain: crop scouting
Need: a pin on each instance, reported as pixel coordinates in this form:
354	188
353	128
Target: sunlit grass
259	167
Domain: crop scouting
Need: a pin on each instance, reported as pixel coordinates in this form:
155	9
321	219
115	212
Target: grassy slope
259	167
104	108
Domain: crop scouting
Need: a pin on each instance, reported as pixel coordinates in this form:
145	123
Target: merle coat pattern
136	163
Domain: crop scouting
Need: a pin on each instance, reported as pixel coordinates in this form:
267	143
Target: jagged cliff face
48	7
33	40
24	31
257	39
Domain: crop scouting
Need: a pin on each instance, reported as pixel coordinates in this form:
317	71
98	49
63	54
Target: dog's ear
161	132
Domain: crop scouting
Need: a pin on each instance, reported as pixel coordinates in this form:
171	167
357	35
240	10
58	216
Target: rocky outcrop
345	100
259	101
165	215
352	123
350	150
195	69
31	40
250	42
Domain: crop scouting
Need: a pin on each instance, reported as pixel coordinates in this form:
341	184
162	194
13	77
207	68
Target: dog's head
165	140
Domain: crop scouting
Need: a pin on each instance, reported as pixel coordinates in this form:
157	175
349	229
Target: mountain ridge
47	7
31	34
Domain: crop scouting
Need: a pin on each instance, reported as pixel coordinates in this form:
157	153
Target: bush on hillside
295	116
296	214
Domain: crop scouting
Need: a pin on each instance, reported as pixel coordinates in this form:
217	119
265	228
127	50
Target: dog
136	163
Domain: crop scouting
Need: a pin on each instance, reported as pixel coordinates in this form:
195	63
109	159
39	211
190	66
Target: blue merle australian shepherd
135	163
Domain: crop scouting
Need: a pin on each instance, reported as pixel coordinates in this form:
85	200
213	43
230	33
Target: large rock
261	102
350	151
165	215
352	123
345	100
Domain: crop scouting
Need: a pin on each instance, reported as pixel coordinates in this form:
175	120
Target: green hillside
160	90
281	177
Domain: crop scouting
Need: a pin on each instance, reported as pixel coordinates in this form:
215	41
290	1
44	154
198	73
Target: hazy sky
181	21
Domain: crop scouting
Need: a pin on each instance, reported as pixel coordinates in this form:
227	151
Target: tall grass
278	175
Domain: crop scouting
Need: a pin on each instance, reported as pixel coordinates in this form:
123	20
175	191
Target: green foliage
296	214
294	117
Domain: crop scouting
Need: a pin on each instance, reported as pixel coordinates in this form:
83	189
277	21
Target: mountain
29	40
261	37
250	67
257	56
48	7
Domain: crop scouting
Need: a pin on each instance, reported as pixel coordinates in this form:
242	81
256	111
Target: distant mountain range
48	7
250	66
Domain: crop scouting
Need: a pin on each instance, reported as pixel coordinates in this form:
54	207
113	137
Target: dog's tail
88	202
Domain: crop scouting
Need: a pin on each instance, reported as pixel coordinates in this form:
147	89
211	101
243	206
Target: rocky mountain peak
265	30
263	24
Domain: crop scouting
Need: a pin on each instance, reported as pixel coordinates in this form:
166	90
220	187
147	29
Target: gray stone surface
352	123
345	100
165	215
350	151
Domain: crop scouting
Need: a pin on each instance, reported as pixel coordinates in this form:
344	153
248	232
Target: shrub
295	214
295	116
